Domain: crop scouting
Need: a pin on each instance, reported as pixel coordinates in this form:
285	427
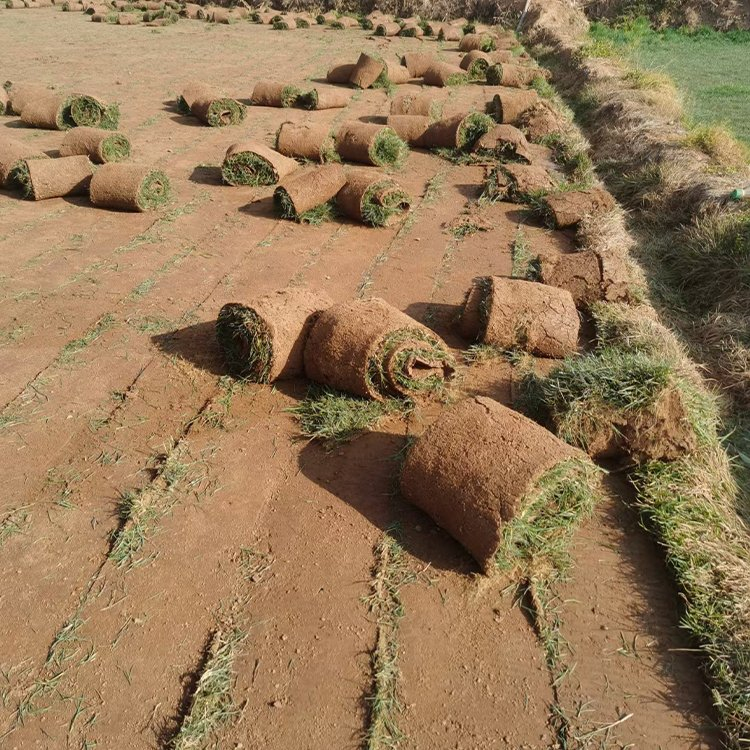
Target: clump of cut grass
212	705
390	575
472	128
14	522
540	534
246	343
335	418
543	87
384	82
720	144
479	353
314	216
381	202
388	150
487	44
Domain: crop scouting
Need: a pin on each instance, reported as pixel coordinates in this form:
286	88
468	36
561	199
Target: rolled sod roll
517	314
127	19
520	183
212	109
265	340
344	22
387	28
483	42
368	143
49	110
540	122
475	63
371	349
444	74
274	94
507	141
449	33
589	276
4	101
326	97
507	106
313	142
416	104
284	24
100	146
411	29
21	93
372	198
417	63
251	163
514	76
129	187
459	131
366	71
410	128
568	209
40	179
340	73
14	4
397	73
481	465
190	10
305	196
501	56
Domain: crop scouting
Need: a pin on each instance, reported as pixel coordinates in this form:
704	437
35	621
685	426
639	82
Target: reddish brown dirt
110	362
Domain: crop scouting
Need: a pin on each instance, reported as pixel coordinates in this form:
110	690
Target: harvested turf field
179	569
709	67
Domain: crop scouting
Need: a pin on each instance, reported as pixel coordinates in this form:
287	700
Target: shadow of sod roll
129	187
504	487
369	348
264	340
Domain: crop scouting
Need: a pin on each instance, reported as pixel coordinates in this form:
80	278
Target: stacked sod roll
264	340
371	349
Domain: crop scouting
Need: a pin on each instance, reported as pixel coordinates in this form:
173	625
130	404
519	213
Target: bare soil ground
111	373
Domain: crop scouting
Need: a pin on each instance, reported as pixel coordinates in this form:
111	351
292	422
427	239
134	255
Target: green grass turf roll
129	187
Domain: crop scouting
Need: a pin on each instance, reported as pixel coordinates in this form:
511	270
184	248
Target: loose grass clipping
40	179
264	340
47	110
368	143
251	163
129	187
274	94
100	146
505	488
371	349
311	142
306	196
615	404
517	314
372	198
88	111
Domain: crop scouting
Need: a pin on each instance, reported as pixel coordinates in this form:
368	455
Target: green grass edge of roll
388	150
245	342
247	168
377	213
473	127
20	178
115	147
478	70
155	190
376	377
314	216
88	112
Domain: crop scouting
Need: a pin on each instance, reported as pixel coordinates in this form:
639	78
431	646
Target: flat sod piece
369	348
274	94
88	111
265	340
12	153
517	314
372	198
40	179
311	142
368	143
129	187
47	110
100	146
306	197
569	208
250	163
488	476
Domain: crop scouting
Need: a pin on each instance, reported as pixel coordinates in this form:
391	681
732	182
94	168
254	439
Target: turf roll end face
251	163
372	198
88	111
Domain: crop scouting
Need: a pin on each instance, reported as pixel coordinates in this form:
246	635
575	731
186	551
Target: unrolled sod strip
508	105
49	110
372	198
40	179
484	473
305	197
129	187
326	97
265	340
340	73
306	141
274	94
251	163
368	143
444	74
425	105
517	314
100	146
459	131
369	348
366	71
88	111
